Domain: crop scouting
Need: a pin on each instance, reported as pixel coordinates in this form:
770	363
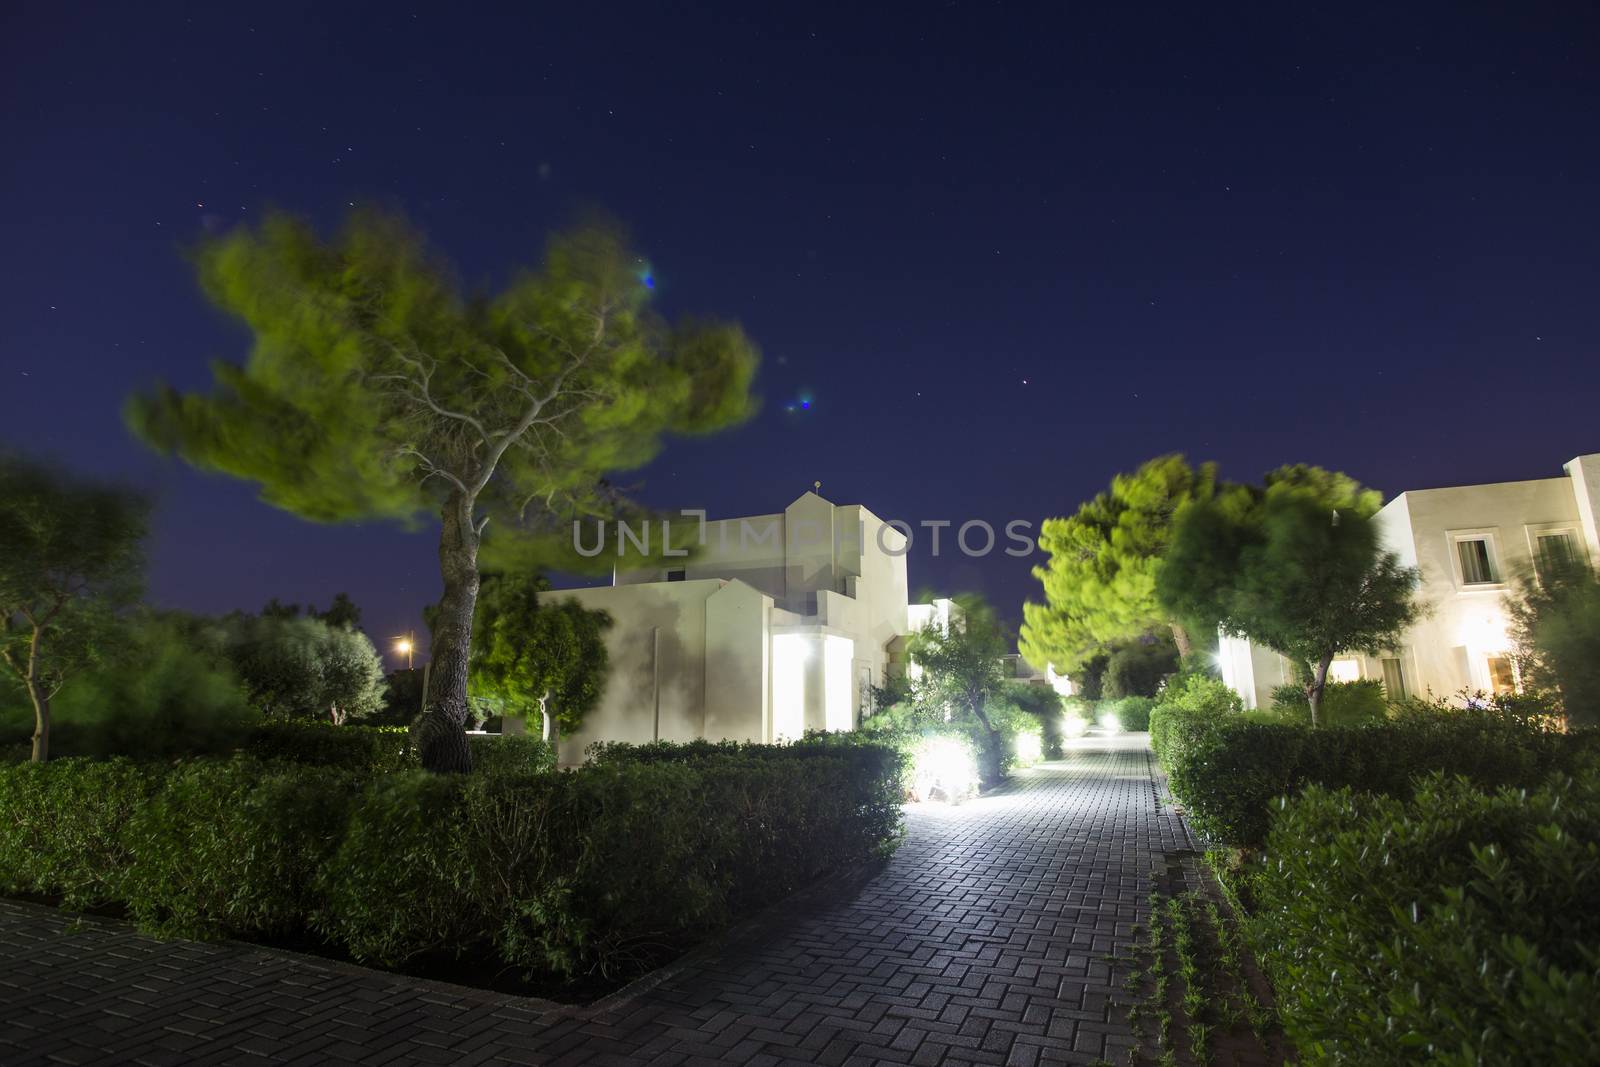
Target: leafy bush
511	754
1137	669
1190	698
590	870
1132	713
157	696
1227	770
1343	703
1457	927
366	751
61	826
231	847
593	871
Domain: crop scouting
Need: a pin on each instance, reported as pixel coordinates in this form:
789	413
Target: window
677	575
1476	568
1394	679
1502	676
1554	552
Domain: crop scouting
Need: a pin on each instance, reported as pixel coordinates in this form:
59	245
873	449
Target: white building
771	626
1470	544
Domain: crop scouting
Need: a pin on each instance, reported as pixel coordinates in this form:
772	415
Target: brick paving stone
982	941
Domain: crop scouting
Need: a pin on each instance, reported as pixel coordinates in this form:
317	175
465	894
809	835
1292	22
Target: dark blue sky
1009	249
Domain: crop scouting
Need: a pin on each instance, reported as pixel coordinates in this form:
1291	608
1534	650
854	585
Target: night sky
1008	251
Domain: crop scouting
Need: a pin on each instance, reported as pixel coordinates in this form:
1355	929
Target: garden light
943	766
1030	747
1110	723
1074	725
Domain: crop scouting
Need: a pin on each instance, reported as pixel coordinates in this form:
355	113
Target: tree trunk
40	698
442	738
1319	681
41	724
991	755
1180	637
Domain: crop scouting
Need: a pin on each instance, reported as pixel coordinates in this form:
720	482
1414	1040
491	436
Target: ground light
1074	725
943	768
1110	723
1030	747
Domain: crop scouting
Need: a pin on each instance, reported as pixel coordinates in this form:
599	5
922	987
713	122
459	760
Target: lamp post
406	647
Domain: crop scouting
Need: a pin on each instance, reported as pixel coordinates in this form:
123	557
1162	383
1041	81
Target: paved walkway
982	941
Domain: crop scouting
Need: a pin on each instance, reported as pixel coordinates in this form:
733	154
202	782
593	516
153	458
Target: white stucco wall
687	660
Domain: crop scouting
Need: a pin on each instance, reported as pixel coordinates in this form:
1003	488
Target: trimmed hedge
594	871
1456	927
1133	713
1227	770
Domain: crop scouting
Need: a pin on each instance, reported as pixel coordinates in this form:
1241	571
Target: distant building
1470	544
774	625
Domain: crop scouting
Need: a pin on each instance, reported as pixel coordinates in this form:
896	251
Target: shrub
597	869
511	754
366	751
1226	771
1457	927
1193	698
1132	713
231	847
61	827
1137	669
1343	703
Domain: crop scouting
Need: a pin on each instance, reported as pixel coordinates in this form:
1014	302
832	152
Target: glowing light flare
1110	723
1030	748
1074	725
943	768
789	655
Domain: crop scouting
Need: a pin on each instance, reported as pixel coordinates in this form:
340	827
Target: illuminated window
1476	565
1344	670
677	575
1502	676
838	660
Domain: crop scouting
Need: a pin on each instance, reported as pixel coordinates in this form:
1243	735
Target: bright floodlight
1030	747
1074	725
943	767
1111	723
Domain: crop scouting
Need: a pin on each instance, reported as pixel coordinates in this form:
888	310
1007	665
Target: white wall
1466	624
687	660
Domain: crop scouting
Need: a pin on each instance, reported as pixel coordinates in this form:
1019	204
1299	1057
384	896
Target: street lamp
405	647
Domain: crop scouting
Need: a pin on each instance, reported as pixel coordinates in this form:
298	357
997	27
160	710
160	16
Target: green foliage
231	848
62	827
1099	583
1343	703
363	751
593	870
1228	771
1133	713
1456	927
961	686
154	692
1555	625
1042	704
1296	567
533	652
1137	669
597	871
71	555
303	668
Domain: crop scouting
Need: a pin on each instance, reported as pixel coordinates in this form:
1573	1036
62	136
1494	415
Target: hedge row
592	871
1455	927
1227	770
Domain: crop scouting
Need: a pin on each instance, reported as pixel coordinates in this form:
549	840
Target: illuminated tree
534	652
70	556
961	677
1099	583
1555	624
1296	566
304	668
375	389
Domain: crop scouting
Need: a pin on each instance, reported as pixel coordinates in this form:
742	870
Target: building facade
771	625
1471	545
